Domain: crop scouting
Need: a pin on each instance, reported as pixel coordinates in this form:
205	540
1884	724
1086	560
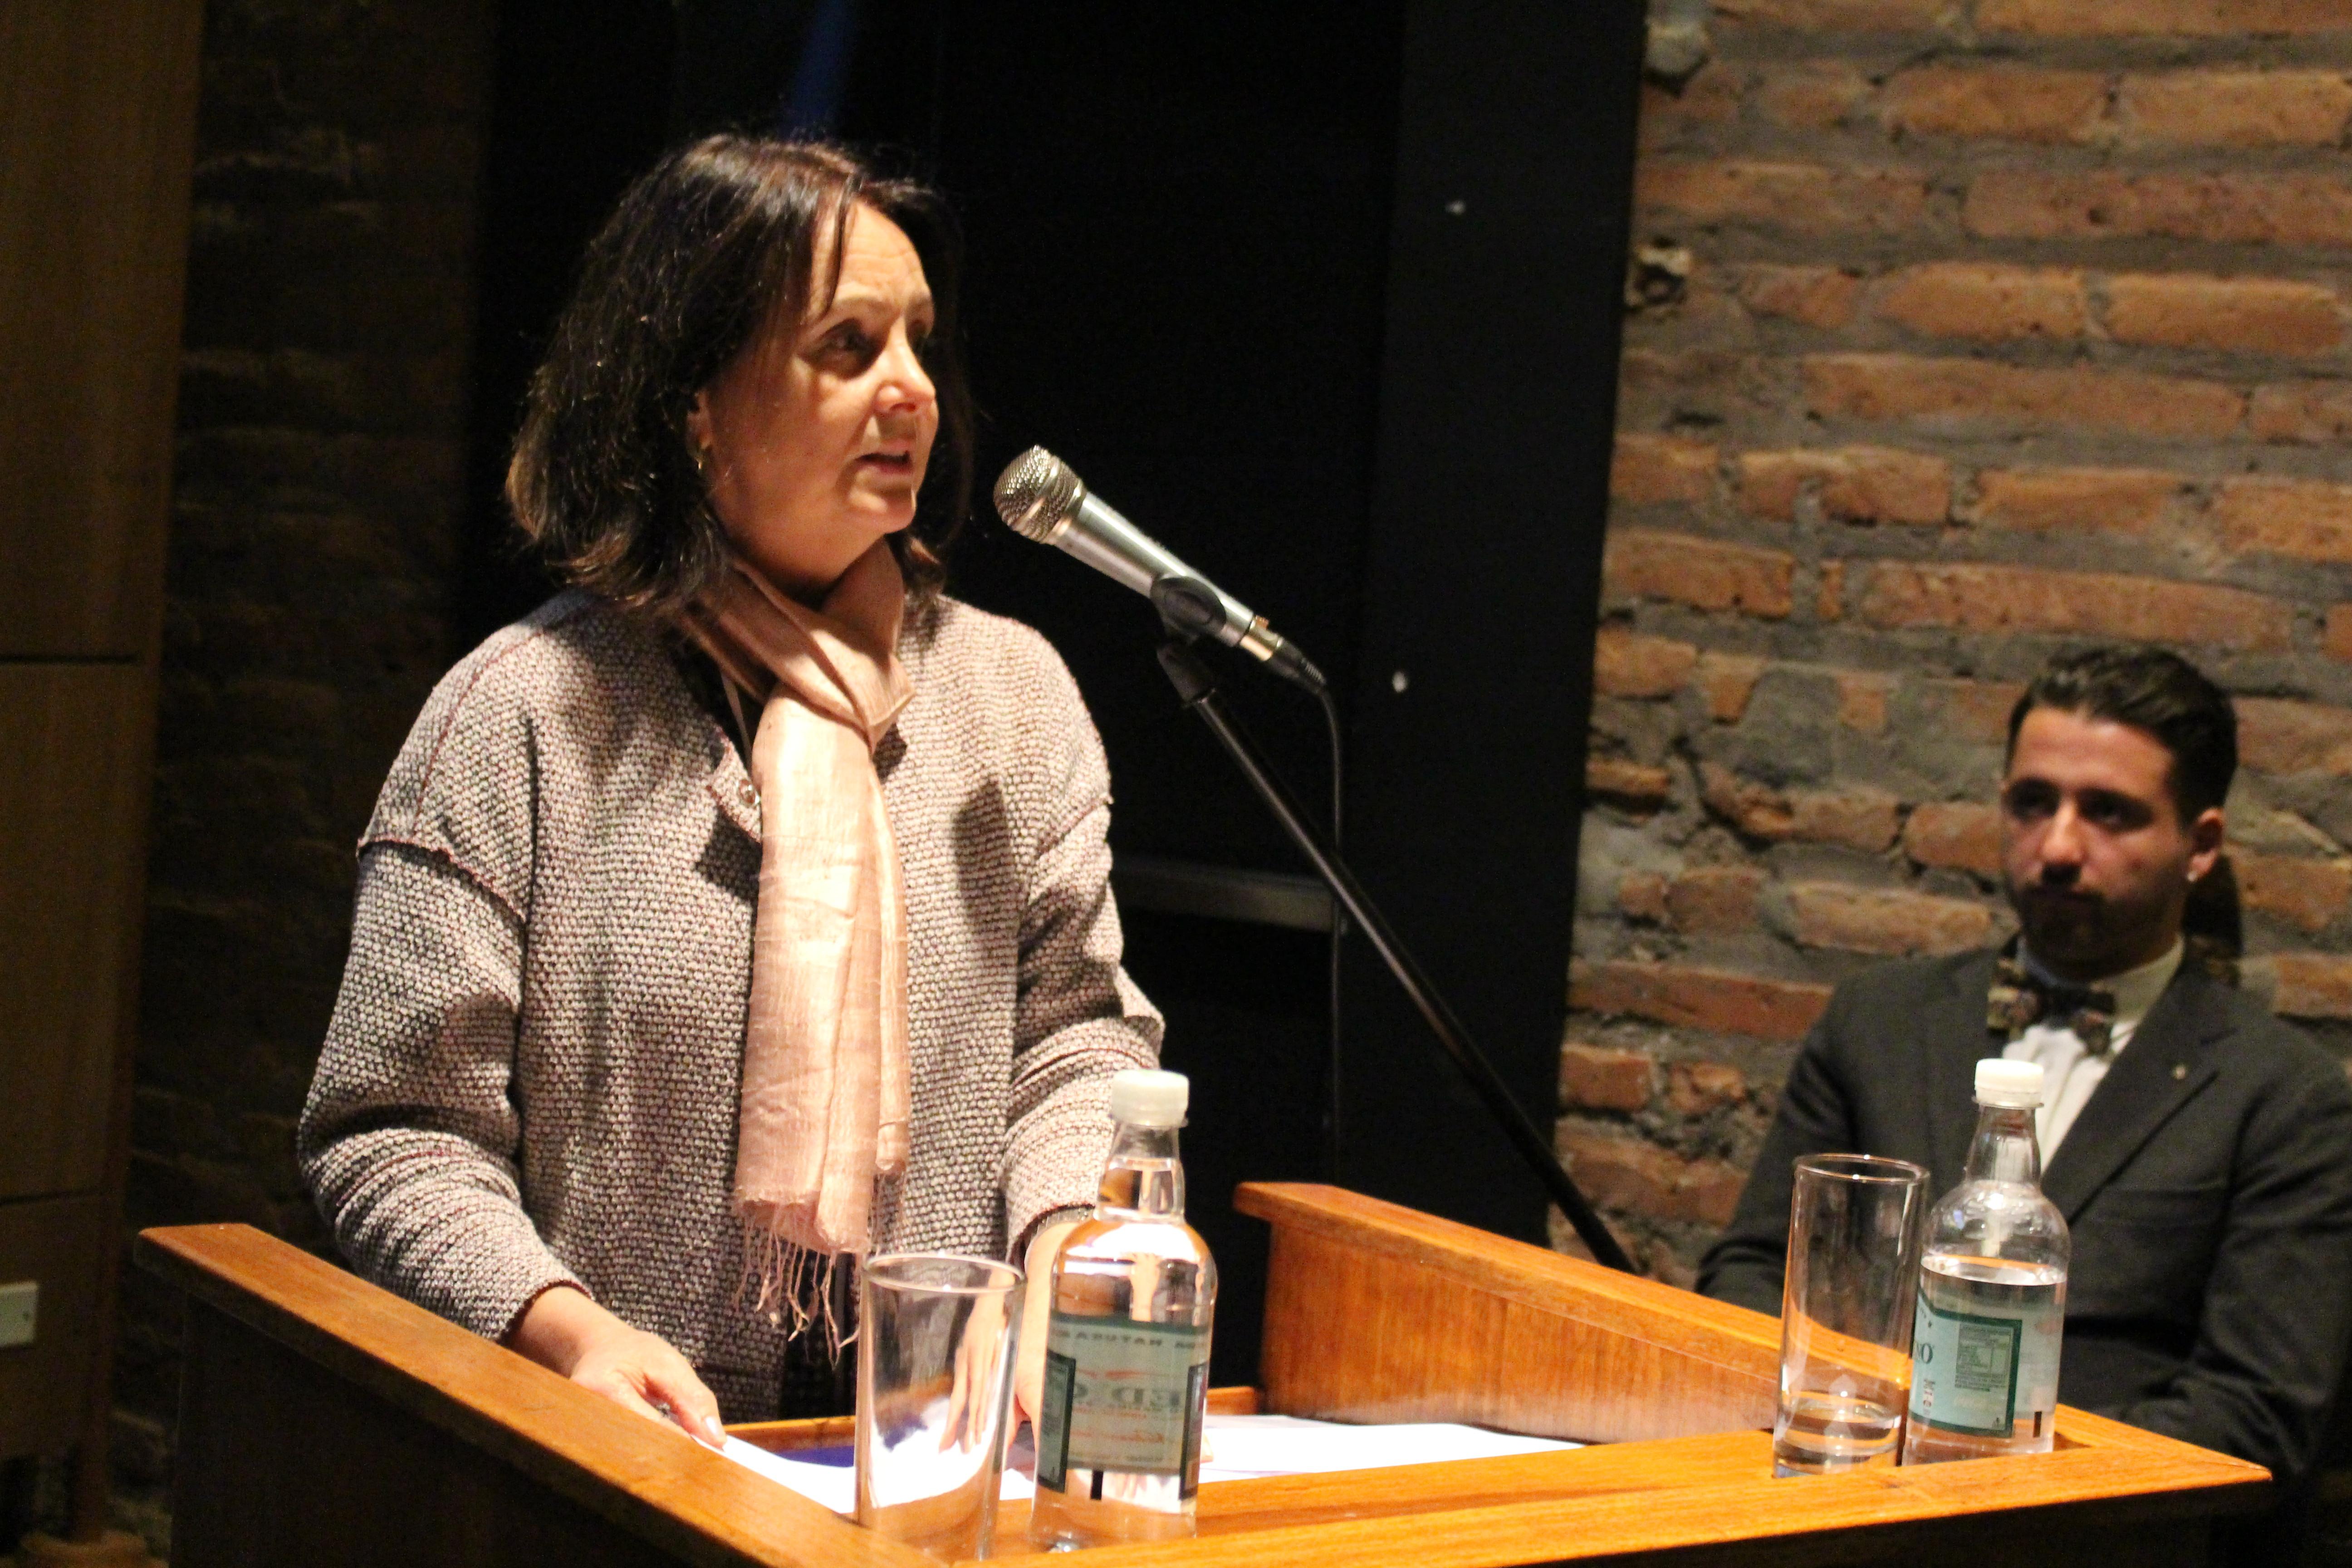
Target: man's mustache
2074	892
2064	899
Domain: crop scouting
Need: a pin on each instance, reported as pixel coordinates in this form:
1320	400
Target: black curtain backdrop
1324	296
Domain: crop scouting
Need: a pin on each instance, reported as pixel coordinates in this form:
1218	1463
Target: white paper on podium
1242	1447
835	1486
1238	1447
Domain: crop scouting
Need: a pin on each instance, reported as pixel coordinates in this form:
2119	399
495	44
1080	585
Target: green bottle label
1975	1371
1122	1395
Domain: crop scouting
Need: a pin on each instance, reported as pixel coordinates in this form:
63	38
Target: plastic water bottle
1127	1346
1992	1291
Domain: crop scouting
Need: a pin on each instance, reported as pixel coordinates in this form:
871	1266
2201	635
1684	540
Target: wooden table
325	1421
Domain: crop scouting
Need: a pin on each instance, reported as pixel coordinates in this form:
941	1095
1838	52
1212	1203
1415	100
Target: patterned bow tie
2020	998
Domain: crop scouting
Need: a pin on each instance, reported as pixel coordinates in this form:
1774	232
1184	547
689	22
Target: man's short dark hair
2153	690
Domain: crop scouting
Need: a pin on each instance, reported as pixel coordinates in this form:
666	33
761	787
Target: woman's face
815	438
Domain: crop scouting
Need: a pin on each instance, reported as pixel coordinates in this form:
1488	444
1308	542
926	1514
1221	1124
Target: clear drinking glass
935	1349
1855	1223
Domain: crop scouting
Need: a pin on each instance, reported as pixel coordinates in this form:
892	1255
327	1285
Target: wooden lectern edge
1705	1493
1647	1310
1866	1516
654	1481
684	1500
1628	1305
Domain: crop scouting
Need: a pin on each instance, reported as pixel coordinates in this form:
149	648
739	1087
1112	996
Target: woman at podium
745	908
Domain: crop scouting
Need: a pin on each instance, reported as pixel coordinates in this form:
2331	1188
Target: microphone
1040	499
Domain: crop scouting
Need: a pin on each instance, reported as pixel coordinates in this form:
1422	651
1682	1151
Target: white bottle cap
1143	1098
2015	1086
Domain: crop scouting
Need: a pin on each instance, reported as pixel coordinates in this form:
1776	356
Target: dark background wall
1923	291
316	530
1297	309
1192	235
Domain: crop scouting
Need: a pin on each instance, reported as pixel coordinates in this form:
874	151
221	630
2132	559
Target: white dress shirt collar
2069	1075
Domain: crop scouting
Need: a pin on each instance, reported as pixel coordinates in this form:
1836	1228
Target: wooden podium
323	1421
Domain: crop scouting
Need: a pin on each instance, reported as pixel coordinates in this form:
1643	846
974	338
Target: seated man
2201	1151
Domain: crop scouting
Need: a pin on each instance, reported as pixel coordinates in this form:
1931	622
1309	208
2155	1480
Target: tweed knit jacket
531	1073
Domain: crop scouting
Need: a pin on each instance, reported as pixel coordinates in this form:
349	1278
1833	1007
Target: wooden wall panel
98	123
73	796
42	1385
98	115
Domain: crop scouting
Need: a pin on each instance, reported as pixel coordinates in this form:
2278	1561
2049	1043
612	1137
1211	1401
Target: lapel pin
2179	1071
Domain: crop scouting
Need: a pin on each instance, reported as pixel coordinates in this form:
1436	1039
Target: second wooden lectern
325	1421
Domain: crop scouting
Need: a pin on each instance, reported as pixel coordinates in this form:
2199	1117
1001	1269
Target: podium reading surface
325	1421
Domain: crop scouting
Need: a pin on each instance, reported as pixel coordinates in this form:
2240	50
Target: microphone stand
1198	691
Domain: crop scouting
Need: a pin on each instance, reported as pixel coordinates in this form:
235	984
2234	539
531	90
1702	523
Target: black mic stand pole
1197	691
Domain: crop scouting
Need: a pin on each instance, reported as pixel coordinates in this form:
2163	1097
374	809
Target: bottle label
1122	1395
1976	1371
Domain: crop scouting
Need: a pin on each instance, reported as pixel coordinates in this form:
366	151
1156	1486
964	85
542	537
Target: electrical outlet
19	1304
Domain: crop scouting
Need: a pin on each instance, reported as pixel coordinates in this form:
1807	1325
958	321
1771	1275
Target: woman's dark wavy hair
703	251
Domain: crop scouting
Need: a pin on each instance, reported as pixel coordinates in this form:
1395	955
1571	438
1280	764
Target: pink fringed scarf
824	1054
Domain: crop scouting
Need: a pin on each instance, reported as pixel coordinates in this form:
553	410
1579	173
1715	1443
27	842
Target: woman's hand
1036	1308
566	1332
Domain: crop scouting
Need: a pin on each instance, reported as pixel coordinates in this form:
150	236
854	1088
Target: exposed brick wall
315	515
1961	330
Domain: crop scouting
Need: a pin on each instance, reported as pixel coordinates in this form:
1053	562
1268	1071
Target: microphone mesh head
1038	494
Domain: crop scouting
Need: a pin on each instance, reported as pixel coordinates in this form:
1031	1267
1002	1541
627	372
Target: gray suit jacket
2208	1184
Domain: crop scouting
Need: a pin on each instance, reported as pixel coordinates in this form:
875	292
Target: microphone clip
1190	608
